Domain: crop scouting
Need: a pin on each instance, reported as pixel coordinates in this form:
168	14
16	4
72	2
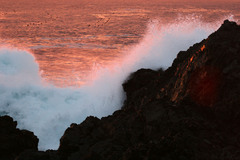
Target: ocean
63	60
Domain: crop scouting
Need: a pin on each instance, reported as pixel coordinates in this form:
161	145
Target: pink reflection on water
70	38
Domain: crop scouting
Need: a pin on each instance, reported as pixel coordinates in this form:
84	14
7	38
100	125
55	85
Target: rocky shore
191	111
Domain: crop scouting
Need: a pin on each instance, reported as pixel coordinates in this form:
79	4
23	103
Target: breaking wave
48	110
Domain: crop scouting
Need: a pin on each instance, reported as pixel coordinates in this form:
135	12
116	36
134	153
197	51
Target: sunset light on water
69	39
63	60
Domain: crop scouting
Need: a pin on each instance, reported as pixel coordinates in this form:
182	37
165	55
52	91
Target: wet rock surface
14	141
190	111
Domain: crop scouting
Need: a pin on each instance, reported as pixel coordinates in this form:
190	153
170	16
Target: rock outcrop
14	141
190	111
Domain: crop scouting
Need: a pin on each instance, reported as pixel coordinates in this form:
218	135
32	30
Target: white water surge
48	110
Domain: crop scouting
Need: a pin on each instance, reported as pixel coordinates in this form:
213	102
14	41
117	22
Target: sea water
63	61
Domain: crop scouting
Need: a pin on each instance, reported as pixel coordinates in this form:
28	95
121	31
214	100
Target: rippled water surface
71	38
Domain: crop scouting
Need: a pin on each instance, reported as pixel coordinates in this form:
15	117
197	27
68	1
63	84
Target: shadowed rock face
208	69
190	111
209	73
14	141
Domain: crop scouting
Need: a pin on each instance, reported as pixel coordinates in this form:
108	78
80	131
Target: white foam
48	111
17	67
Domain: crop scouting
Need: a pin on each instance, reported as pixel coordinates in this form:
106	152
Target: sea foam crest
18	67
48	110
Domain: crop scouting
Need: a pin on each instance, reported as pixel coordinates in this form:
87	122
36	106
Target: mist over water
48	110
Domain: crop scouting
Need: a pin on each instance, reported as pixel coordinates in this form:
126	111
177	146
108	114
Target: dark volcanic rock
209	73
189	111
140	85
38	155
14	141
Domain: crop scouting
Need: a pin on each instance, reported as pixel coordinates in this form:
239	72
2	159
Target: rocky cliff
14	141
190	111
